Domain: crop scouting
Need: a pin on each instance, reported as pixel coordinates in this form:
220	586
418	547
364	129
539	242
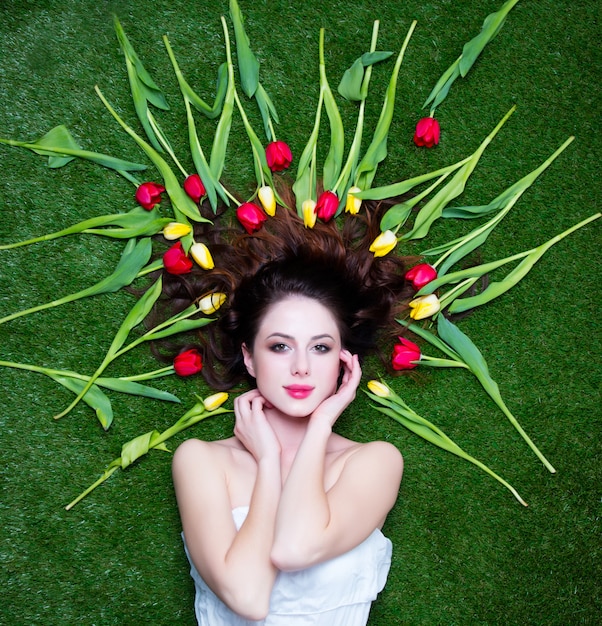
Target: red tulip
175	260
149	194
327	205
420	275
193	186
188	363
427	132
250	216
278	156
404	353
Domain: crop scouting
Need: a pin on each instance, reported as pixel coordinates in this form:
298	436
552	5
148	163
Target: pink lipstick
299	392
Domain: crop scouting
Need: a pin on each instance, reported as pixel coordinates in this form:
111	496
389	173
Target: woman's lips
299	391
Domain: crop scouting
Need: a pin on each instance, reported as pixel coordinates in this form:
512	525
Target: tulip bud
215	401
211	302
267	199
404	353
250	216
188	363
379	389
193	186
384	243
424	306
175	230
353	204
175	260
427	132
420	275
149	194
200	253
278	155
327	205
308	208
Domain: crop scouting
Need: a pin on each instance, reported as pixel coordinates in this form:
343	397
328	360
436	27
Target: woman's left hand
332	407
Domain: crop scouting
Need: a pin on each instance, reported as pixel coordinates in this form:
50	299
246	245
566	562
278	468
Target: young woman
282	521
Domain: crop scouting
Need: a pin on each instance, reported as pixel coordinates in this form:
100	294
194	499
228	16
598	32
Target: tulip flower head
384	243
175	230
212	302
404	353
420	275
379	389
427	132
278	155
188	363
200	253
267	199
424	306
250	216
215	401
149	194
327	205
176	261
310	216
353	204
193	186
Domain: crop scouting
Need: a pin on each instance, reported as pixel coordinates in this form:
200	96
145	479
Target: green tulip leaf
470	52
351	85
267	110
65	154
210	111
495	289
134	256
222	132
143	88
136	389
334	159
137	447
58	137
377	150
182	326
93	397
248	65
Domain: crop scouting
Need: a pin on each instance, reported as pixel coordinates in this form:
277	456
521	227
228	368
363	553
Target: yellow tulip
379	389
353	204
309	213
200	253
267	199
384	243
175	230
211	302
424	306
215	401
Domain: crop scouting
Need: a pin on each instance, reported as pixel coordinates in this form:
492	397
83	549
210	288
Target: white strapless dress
338	592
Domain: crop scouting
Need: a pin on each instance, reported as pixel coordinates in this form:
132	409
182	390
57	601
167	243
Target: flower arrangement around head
337	191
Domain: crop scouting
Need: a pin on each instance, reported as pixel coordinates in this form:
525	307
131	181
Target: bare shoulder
376	461
196	452
381	453
382	450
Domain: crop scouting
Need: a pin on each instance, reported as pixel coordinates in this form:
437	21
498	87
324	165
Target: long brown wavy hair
330	263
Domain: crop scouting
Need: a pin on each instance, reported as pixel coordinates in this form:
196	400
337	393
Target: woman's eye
322	348
278	347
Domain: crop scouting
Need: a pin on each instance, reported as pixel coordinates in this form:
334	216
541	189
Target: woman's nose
300	365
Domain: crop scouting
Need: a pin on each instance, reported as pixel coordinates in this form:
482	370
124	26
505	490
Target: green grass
465	552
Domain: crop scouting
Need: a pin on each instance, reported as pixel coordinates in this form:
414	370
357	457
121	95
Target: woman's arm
314	524
235	565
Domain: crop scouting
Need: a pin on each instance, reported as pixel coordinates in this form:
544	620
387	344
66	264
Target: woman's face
296	355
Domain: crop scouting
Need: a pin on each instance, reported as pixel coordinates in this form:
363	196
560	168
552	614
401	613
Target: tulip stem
163	140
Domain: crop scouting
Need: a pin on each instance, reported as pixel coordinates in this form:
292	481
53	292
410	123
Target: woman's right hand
252	428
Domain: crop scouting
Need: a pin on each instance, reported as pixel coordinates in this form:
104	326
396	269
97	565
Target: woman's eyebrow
290	337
